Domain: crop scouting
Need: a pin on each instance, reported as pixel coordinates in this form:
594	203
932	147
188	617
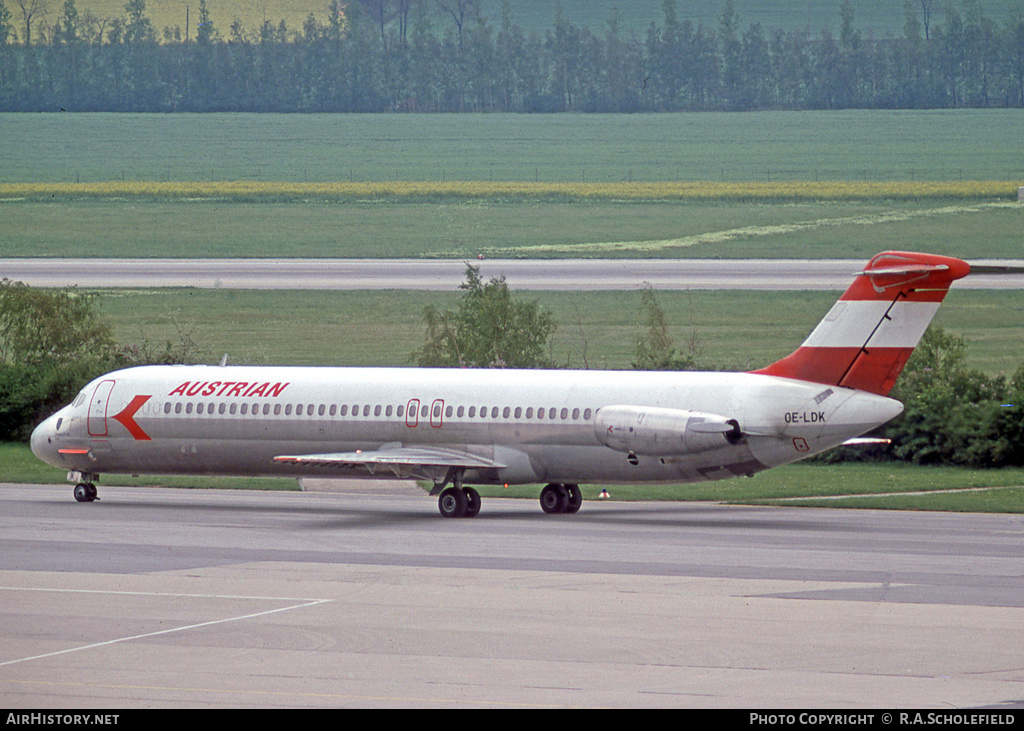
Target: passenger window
177	408
288	410
234	408
504	412
586	414
199	407
518	412
461	411
472	411
245	409
223	407
320	411
529	412
344	409
277	409
400	410
540	413
167	407
366	410
376	410
388	410
565	413
333	410
575	414
188	408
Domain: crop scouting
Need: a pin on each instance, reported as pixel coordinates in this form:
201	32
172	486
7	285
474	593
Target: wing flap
401	457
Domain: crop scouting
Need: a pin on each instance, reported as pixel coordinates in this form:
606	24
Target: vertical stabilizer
868	335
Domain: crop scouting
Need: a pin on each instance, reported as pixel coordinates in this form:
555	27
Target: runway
192	598
429	274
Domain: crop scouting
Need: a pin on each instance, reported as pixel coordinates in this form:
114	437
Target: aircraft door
437	413
412	413
97	418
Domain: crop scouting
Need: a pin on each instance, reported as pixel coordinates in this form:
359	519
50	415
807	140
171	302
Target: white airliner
456	427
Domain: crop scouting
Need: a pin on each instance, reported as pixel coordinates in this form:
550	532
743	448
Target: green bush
955	415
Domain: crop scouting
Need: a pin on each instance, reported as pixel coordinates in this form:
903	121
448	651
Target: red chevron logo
125	418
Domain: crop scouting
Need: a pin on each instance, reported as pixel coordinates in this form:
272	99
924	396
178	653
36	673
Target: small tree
53	342
654	349
40	326
488	329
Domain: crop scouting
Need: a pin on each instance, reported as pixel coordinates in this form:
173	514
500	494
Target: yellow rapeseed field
412	190
171	13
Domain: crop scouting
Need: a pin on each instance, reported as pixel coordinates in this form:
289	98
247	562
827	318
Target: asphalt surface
155	597
427	274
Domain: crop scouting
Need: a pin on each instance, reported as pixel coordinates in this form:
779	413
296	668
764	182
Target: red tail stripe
840	352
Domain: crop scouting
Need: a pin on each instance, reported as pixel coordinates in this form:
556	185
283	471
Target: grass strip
416	191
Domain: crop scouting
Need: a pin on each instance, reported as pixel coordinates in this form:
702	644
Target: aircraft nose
41	441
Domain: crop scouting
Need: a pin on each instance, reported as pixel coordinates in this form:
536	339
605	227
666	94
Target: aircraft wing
403	462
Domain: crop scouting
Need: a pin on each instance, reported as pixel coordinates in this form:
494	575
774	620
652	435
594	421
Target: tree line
453	56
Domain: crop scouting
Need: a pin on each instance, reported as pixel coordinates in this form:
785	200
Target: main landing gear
459	502
561	498
464	502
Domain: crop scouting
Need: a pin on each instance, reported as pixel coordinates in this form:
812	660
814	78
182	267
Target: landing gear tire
575	498
85	492
472	502
453	502
561	499
554	499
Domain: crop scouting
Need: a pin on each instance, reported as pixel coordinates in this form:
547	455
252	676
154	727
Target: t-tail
867	337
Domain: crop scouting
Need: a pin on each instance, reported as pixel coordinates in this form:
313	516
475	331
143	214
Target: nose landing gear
85	487
85	492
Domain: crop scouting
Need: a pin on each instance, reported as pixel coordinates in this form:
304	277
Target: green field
464	229
764	146
900	149
729	330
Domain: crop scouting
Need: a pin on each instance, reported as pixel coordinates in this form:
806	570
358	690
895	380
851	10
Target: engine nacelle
661	432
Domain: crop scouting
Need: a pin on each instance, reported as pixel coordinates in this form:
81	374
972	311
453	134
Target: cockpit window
79	399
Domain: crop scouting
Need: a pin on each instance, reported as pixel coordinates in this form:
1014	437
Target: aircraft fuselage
526	426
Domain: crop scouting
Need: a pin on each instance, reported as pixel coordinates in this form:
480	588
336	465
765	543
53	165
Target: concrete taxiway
428	274
156	597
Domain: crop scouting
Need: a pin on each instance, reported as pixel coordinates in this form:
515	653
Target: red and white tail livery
868	335
455	428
